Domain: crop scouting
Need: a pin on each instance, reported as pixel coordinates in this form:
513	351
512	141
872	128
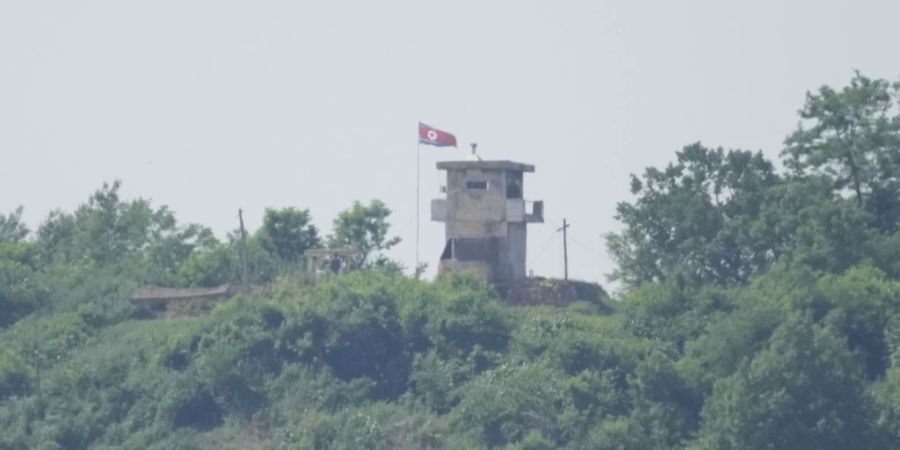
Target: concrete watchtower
486	217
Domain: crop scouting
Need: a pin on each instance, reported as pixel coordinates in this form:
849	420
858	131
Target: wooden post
245	280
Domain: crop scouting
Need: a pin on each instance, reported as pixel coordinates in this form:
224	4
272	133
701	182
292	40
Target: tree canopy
364	228
11	227
852	136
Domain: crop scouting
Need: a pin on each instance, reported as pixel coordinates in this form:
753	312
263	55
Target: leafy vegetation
759	309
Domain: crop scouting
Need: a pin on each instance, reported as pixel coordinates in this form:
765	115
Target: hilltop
759	308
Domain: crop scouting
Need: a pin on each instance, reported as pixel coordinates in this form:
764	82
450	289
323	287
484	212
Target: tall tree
20	285
287	233
104	230
365	229
11	227
852	135
111	232
690	221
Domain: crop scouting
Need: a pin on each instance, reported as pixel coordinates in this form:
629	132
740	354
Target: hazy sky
211	106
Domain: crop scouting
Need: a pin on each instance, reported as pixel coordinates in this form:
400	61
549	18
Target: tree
365	229
11	227
804	391
171	248
287	233
690	221
665	409
886	395
853	137
353	324
730	340
124	234
211	267
886	392
20	286
506	403
859	304
803	221
104	230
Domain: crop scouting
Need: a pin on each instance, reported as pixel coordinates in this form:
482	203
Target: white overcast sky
210	106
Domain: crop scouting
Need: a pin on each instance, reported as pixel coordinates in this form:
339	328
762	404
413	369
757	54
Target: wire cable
545	246
585	247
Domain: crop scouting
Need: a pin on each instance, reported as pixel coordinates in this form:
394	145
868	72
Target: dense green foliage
758	309
364	228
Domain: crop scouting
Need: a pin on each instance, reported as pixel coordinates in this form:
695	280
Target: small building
166	302
324	261
486	216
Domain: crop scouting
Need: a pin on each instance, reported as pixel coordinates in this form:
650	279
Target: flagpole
437	138
418	201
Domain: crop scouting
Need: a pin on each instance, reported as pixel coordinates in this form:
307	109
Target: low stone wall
553	292
167	303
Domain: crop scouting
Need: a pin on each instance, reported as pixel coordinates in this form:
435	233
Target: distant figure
335	263
513	189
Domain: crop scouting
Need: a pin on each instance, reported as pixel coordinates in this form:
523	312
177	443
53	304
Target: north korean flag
433	136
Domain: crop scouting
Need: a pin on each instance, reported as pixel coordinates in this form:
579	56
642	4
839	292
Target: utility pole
245	282
565	249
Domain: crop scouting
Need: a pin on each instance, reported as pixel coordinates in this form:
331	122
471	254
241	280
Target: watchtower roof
485	165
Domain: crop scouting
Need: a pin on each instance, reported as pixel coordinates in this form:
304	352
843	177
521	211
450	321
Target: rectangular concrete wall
516	257
476	213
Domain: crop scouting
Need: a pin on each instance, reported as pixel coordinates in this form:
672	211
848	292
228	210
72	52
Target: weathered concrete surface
553	292
484	206
166	303
485	165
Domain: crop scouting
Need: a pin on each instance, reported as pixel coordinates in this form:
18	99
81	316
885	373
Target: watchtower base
551	292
